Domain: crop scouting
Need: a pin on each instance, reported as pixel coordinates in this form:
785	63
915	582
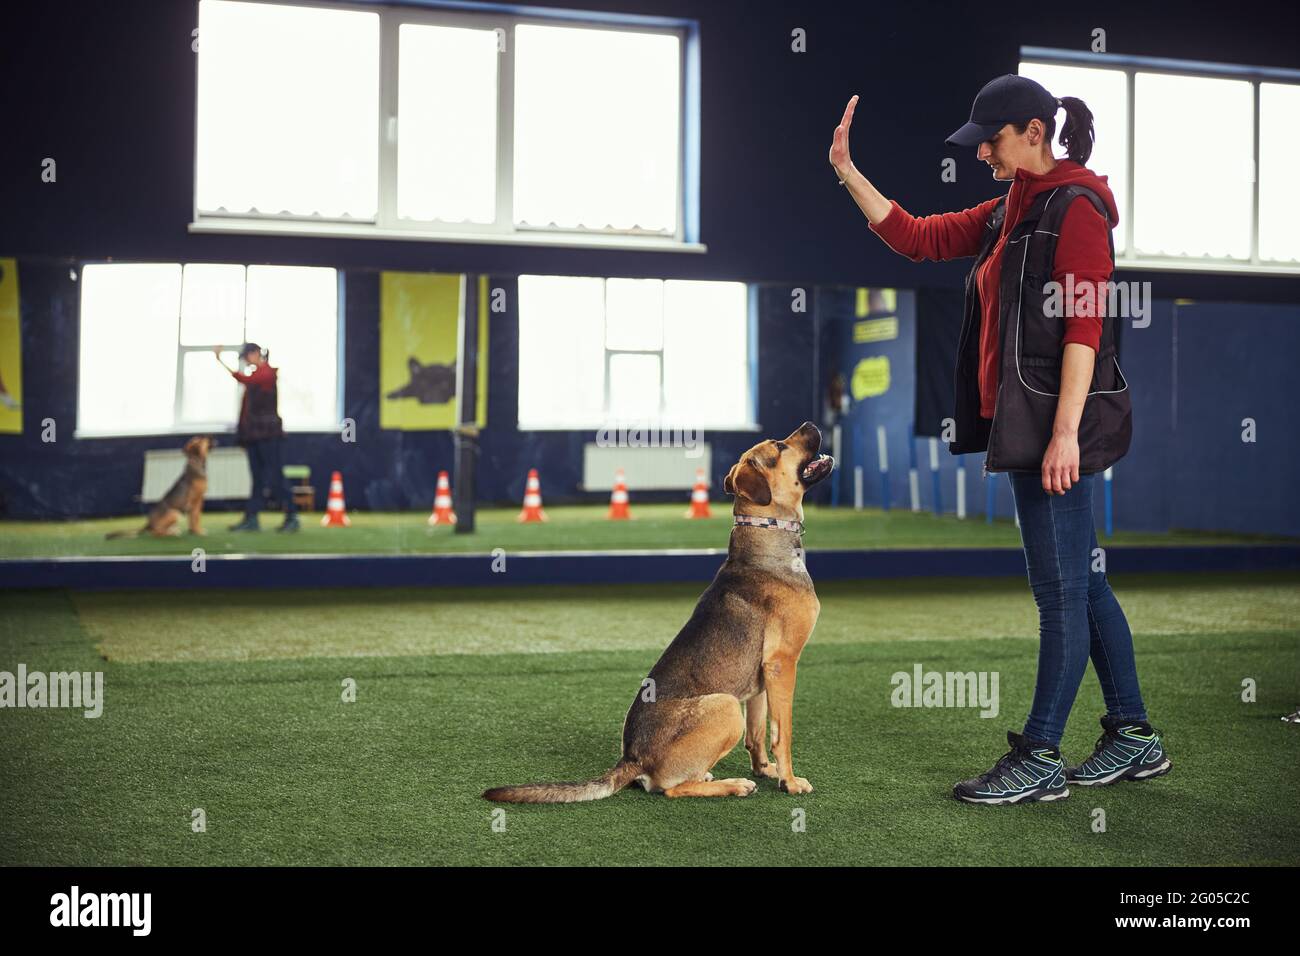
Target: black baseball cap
1007	99
249	347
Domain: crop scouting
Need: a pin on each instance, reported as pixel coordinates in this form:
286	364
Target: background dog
186	496
740	646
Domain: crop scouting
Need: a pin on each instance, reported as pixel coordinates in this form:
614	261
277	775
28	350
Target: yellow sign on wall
875	330
870	377
875	302
419	315
11	351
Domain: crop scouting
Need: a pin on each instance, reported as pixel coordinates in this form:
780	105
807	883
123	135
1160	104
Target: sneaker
1126	750
290	524
1030	771
248	524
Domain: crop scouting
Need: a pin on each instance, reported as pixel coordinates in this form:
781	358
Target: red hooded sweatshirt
1081	249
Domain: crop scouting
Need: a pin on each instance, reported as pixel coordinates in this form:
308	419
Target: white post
961	486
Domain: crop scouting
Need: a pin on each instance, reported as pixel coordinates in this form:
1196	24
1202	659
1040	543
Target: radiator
227	473
646	469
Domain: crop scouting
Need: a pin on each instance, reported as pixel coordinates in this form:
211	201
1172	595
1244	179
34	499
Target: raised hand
839	155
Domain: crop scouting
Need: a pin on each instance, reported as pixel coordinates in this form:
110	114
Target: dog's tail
124	534
619	776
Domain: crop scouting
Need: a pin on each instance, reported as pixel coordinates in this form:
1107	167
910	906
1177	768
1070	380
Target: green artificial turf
210	705
570	528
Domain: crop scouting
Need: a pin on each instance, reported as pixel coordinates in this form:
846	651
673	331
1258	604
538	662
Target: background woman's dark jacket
259	417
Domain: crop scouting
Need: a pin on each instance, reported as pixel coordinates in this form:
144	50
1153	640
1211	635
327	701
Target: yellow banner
875	330
875	302
418	317
11	351
870	377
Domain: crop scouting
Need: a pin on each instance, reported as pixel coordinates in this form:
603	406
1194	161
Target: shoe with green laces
1126	750
1031	771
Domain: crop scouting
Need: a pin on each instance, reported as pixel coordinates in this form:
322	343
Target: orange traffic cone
336	515
532	499
618	510
699	497
442	513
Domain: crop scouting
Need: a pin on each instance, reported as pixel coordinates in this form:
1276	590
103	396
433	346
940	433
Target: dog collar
779	524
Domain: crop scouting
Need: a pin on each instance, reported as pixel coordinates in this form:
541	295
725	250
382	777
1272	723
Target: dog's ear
748	482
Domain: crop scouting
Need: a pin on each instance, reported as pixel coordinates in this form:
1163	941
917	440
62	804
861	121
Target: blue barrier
587	567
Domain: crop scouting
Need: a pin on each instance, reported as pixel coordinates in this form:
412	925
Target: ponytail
1077	134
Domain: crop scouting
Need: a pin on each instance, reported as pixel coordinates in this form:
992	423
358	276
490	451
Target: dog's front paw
768	770
795	785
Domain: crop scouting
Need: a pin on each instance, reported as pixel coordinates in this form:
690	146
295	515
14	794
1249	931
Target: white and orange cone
618	509
699	497
442	513
532	499
336	515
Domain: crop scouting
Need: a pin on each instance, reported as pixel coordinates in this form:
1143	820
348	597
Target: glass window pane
561	352
634	313
596	128
447	131
209	396
212	305
1279	191
288	110
634	388
293	313
129	326
1106	94
706	354
1171	216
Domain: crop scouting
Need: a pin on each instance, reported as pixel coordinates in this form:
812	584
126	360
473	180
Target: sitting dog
186	495
740	646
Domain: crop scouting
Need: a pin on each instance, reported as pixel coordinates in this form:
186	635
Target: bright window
1106	93
288	111
596	352
148	331
129	325
596	155
1174	216
402	122
447	142
1249	221
1279	192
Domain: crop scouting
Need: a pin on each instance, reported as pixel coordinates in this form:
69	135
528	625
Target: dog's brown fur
740	646
185	496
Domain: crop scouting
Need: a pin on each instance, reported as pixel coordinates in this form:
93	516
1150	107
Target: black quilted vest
1029	377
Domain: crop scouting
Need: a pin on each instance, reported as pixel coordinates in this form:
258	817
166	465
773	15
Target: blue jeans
267	471
1078	615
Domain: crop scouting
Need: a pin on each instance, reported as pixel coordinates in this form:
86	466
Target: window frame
387	224
213	428
1132	65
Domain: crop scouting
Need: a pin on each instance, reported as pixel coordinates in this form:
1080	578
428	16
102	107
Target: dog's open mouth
816	469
